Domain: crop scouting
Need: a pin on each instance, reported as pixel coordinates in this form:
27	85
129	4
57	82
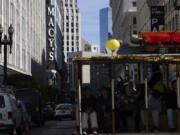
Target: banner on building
157	17
161	38
50	25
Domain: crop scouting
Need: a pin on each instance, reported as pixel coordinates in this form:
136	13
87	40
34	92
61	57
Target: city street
65	127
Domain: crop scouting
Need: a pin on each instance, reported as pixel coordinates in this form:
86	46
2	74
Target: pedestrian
89	111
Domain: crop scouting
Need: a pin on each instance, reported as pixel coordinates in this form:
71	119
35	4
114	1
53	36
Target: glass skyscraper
105	26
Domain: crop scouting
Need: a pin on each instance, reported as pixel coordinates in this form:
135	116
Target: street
65	127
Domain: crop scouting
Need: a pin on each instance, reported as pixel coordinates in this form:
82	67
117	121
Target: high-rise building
71	27
105	26
29	39
124	14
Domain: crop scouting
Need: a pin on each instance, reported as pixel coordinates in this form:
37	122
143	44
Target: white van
10	115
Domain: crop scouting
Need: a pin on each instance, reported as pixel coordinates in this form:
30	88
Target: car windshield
2	104
68	106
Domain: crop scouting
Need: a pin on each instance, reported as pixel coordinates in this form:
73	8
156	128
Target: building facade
29	40
94	48
71	27
124	19
86	46
105	26
172	16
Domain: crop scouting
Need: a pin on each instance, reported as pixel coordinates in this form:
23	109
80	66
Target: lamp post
6	42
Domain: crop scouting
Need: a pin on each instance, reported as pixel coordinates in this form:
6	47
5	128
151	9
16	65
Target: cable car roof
137	58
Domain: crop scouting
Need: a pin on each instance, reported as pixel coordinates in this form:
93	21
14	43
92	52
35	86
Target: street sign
157	17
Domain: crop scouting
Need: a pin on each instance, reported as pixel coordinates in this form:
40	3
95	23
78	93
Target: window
134	3
72	30
66	5
67	17
77	43
70	5
2	103
67	42
72	49
72	43
77	30
77	24
67	30
77	48
67	24
67	37
77	37
67	48
72	24
134	20
72	37
134	32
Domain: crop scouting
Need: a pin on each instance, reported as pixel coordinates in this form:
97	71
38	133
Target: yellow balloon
112	44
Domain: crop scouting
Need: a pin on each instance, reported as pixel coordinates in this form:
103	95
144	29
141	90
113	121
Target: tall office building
29	39
105	26
71	27
124	16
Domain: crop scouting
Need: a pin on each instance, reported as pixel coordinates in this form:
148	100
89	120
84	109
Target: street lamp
6	42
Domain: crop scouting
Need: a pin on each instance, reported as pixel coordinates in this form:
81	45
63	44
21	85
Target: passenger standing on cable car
89	111
105	110
129	104
156	96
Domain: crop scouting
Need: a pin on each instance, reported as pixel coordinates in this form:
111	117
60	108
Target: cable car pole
178	97
113	104
146	99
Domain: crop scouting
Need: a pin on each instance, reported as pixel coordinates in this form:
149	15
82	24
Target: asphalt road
66	127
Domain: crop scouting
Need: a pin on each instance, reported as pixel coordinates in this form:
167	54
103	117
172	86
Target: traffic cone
27	130
14	131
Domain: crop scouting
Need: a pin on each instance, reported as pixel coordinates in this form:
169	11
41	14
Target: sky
89	10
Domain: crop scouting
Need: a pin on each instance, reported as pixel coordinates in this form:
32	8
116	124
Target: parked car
64	111
10	114
33	102
48	112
